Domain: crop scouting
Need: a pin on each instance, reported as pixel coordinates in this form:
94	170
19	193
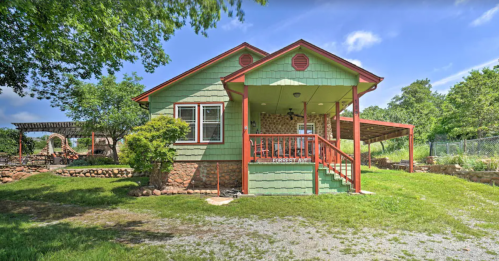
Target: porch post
369	153
20	148
93	142
356	139
325	127
411	150
305	127
246	145
338	132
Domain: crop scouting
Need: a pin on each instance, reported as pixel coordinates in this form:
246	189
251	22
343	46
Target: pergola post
246	142
411	150
20	148
93	143
356	139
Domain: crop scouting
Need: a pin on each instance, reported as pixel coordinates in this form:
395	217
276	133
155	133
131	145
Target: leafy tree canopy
9	142
149	148
42	42
107	107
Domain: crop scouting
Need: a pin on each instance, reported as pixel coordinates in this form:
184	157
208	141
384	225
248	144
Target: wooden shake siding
205	86
319	72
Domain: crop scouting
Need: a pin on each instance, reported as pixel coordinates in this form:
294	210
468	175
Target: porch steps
331	182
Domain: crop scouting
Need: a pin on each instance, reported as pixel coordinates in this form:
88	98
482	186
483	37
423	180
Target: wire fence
479	147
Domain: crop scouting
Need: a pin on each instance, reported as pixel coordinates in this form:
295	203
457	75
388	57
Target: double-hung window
205	121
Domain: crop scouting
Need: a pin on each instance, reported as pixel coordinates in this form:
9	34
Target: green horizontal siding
291	179
205	86
319	72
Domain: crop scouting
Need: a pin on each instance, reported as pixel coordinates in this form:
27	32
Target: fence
481	147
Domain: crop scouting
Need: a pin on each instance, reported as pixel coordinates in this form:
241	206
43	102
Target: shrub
79	162
99	161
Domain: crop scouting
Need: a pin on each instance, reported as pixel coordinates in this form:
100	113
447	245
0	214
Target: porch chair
262	152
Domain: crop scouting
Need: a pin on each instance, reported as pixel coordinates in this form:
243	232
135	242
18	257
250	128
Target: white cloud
236	24
13	98
487	16
359	40
24	117
355	61
459	75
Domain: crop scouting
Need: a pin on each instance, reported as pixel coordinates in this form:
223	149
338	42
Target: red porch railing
301	148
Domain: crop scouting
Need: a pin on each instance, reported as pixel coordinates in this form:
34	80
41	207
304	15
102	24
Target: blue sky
400	40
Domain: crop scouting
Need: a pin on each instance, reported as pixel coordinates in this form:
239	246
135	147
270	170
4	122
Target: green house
269	123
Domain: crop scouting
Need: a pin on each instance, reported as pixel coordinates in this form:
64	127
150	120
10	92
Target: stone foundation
13	173
204	174
98	173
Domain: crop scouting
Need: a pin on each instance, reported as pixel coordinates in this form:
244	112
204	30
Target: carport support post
369	153
20	148
356	139
93	142
246	145
411	150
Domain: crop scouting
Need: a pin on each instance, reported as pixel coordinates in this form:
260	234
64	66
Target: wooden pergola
67	129
375	131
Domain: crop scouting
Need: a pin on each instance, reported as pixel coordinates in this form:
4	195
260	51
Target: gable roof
145	95
364	75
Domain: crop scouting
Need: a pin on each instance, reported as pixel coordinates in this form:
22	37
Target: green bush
79	162
470	162
99	161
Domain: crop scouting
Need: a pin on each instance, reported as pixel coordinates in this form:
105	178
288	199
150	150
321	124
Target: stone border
148	191
99	173
13	173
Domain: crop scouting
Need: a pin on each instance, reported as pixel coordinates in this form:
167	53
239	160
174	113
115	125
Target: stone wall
12	173
98	173
204	174
281	124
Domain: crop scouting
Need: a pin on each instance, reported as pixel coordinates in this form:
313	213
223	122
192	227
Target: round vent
300	62
245	59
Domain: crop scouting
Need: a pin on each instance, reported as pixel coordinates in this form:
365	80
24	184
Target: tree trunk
382	146
158	179
115	153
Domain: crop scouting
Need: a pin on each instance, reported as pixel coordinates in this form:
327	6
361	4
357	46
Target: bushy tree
471	108
9	142
149	147
107	107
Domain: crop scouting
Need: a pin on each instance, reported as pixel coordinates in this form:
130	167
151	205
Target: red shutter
245	59
300	62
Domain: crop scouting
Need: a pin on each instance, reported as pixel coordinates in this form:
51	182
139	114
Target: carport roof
372	131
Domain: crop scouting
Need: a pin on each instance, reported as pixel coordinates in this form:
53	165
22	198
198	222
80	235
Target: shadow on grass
22	240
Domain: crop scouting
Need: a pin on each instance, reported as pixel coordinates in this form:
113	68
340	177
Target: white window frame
195	105
221	122
302	124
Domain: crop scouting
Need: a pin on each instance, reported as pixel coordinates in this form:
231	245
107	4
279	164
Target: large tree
9	142
471	108
44	41
107	107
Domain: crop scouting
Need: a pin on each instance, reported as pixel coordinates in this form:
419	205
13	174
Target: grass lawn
100	167
419	202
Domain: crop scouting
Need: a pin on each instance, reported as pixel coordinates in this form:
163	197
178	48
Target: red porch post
305	127
338	131
93	142
411	150
356	139
246	143
316	159
369	153
20	148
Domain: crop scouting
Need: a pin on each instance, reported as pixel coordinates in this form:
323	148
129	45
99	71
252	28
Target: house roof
364	75
145	96
370	130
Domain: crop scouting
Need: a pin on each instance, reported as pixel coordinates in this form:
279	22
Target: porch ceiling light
320	104
264	104
296	94
313	112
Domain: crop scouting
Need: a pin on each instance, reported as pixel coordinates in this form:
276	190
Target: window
310	128
205	121
188	113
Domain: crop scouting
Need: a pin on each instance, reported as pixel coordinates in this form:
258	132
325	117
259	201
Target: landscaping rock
146	192
6	180
156	192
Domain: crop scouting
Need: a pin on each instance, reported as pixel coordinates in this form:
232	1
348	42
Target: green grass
421	151
420	202
99	167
